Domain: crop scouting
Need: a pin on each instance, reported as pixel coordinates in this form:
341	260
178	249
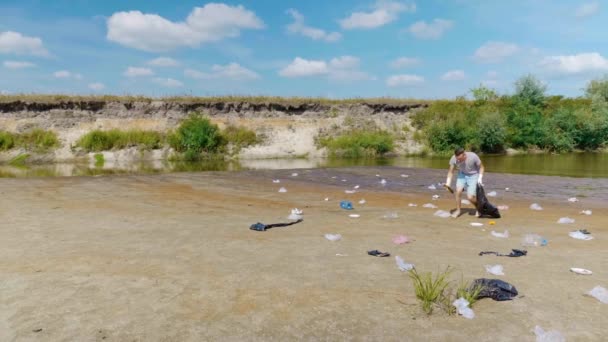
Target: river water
581	165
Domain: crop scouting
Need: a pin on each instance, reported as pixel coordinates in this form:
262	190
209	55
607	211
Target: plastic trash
442	214
296	211
282	189
276	181
295	174
492	194
586	212
326	199
565	220
536	206
293	216
333	237
465	202
435	197
391	215
349	191
501	235
533	240
580	235
495	269
463	309
354	215
377	175
432	187
344	180
581	271
383	181
476	224
401	239
600	294
507	189
572	199
362	201
402	265
346	205
503	207
548	336
404	176
412	205
356	187
429	205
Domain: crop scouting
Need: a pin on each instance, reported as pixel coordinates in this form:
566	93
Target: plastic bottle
533	240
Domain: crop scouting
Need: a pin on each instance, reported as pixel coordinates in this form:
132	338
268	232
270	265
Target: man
470	173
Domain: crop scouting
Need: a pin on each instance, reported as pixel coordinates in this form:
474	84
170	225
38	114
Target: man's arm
448	180
481	171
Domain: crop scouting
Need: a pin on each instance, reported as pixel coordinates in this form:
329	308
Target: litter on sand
326	199
503	207
580	271
432	187
293	216
296	211
495	269
565	220
295	174
349	191
402	265
412	205
476	224
377	253
599	293
435	197
429	205
501	235
548	336
391	215
586	212
404	176
463	309
333	237
260	227
492	194
442	214
514	253
401	239
276	181
536	206
533	240
494	288
572	199
362	201
346	205
282	189
580	235
354	215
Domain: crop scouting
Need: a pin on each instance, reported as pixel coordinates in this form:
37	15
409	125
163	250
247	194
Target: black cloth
514	253
484	207
495	288
263	227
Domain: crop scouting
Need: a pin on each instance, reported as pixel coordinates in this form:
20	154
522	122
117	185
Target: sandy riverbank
171	258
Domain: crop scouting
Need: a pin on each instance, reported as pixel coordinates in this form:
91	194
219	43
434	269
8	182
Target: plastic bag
580	235
586	212
536	206
533	240
565	220
492	194
432	187
548	336
462	307
495	269
600	294
572	199
401	239
402	265
442	214
501	235
362	201
429	205
282	189
391	215
333	237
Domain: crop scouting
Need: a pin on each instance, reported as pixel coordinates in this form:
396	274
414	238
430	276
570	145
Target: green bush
240	137
97	140
38	140
530	90
7	140
358	143
196	135
491	133
598	89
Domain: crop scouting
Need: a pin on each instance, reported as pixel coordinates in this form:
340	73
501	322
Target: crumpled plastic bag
402	265
501	235
580	236
333	237
495	269
548	336
586	212
282	189
565	220
600	294
442	214
463	309
429	205
536	206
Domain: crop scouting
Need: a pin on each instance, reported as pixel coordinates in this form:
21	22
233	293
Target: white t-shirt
469	166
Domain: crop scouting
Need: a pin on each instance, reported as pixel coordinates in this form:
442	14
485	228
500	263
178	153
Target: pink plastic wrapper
401	239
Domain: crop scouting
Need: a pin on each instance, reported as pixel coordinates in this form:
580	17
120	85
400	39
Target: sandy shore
171	258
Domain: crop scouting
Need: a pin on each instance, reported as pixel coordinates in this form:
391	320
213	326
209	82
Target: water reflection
590	165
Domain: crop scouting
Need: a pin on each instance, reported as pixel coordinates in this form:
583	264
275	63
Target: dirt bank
171	258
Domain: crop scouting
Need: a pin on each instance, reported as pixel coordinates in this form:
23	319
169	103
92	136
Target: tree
531	90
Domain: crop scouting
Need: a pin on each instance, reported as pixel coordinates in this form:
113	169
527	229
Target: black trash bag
260	227
484	207
494	288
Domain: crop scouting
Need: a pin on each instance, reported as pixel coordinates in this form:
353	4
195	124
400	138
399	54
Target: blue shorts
470	182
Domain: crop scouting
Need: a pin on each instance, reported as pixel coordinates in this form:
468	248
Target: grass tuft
431	290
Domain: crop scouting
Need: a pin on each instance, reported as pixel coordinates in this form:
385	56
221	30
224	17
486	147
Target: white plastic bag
429	205
565	220
495	269
533	240
548	336
282	189
580	236
501	235
333	237
402	265
492	194
586	212
572	199
442	214
432	187
362	201
462	307
536	206
600	294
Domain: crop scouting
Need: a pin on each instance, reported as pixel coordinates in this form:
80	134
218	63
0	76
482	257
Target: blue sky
341	49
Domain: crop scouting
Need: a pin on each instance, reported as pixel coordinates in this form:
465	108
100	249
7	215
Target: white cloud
298	26
385	11
136	72
453	75
587	9
191	73
432	30
16	43
404	62
168	82
18	64
96	86
163	62
231	71
67	74
343	68
151	32
404	80
494	52
302	67
575	64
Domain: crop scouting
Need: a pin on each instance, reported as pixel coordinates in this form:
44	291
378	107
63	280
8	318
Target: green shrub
468	292
530	90
7	140
196	135
358	143
491	133
598	89
97	140
38	140
240	137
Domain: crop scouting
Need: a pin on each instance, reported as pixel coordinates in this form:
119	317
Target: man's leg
472	192
457	194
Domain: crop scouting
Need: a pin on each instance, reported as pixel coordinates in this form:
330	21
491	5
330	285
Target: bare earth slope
172	258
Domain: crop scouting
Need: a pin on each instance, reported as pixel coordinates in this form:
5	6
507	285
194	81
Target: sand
171	258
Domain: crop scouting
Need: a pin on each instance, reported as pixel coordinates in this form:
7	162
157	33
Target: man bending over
470	173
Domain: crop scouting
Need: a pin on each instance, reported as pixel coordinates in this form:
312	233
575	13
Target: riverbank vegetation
36	140
528	119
